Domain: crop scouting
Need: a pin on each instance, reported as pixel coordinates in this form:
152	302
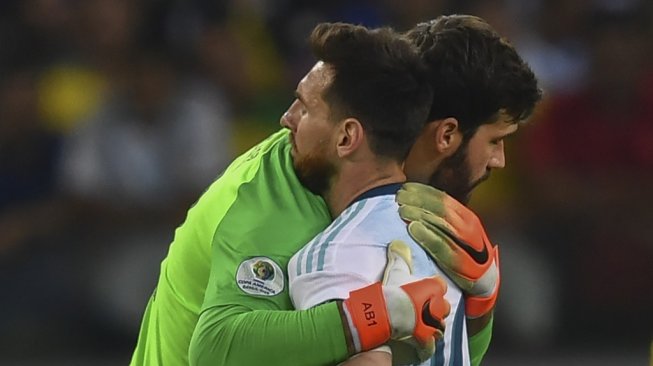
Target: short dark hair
378	79
474	72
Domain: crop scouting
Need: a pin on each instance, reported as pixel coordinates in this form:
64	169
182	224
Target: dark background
116	114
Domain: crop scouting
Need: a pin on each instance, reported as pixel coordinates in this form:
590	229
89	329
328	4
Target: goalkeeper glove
378	313
406	351
455	238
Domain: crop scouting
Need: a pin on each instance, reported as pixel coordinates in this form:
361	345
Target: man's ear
448	136
350	136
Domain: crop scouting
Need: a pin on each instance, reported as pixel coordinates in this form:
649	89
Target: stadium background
115	114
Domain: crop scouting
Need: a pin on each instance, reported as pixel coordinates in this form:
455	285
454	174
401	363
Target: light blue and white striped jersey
352	253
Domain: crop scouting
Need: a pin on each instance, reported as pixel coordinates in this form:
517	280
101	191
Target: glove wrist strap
476	307
367	312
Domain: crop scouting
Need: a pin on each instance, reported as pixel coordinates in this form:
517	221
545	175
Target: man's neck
356	179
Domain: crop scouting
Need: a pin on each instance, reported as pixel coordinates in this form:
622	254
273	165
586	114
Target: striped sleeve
336	262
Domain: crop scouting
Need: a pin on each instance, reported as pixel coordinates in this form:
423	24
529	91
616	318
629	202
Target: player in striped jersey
347	141
351	153
455	152
352	253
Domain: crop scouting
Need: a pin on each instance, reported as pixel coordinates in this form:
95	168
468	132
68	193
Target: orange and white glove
379	313
455	238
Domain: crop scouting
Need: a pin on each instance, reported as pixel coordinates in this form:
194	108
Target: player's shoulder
275	149
372	218
363	228
261	187
267	165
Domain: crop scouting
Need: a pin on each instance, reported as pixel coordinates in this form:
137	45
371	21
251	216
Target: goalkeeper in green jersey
223	282
222	296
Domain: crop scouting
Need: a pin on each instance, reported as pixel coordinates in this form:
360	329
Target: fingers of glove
440	238
423	203
467	228
443	223
399	268
435	201
422	196
438	203
427	296
433	314
452	224
413	213
468	259
458	220
422	291
446	254
436	242
437	309
424	333
432	322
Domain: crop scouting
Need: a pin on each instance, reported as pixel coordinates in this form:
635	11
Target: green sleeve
479	343
236	335
247	317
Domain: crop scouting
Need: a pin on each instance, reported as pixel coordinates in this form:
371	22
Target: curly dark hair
474	72
379	79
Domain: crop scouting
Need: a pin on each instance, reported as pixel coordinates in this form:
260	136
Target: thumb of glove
399	269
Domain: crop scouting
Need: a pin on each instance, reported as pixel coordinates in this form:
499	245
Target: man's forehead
505	123
509	127
316	80
502	127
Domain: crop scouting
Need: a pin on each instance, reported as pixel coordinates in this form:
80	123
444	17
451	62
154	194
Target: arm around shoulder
235	335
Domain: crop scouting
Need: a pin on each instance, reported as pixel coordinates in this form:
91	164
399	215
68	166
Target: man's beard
454	176
315	172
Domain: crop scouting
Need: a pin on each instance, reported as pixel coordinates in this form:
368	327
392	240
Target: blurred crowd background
116	114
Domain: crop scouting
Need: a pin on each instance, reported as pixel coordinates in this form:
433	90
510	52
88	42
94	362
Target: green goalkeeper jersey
224	279
222	295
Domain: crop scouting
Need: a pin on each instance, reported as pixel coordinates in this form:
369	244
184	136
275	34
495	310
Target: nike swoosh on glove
454	237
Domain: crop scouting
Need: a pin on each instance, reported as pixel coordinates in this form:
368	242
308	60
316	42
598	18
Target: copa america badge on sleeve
260	276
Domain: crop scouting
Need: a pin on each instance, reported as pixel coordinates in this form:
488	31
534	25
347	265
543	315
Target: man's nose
498	159
284	121
288	119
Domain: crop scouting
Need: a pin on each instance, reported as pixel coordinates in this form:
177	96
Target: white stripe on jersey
311	257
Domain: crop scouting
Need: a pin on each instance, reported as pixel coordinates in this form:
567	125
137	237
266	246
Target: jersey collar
383	190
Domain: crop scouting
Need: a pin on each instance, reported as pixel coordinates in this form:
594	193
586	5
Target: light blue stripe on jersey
314	244
309	257
358	206
336	226
303	251
456	352
457	336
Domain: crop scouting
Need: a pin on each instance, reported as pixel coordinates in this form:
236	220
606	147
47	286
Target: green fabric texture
256	208
232	335
479	343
